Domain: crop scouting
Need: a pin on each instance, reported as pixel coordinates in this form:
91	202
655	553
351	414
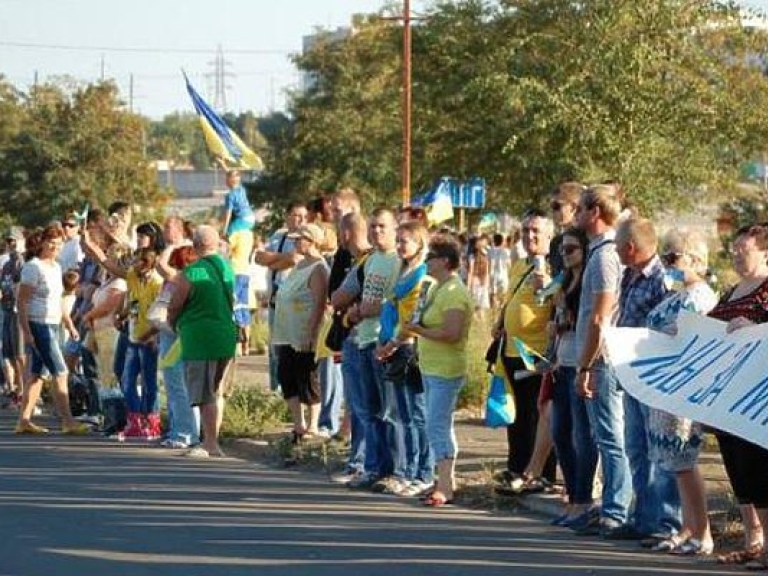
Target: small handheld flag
533	361
220	139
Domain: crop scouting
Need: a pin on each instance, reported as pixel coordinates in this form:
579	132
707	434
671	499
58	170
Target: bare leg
314	416
209	416
446	477
30	396
753	528
297	415
61	400
542	446
693	499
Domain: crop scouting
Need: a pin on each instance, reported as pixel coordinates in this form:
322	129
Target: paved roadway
88	506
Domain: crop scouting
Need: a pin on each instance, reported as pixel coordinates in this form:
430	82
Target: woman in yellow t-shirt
443	332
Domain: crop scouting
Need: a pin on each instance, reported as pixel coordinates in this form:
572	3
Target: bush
473	394
251	411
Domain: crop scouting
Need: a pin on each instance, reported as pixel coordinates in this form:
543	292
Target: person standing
40	316
201	312
657	502
443	332
298	313
597	214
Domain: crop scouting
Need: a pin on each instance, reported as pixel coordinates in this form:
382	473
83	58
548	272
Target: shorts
46	353
206	379
12	340
242	302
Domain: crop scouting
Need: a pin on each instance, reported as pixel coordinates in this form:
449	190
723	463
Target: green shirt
381	272
205	325
447	360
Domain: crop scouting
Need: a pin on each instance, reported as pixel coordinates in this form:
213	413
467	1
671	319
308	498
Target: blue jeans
274	382
331	394
181	417
657	501
442	394
412	410
572	436
383	431
353	397
46	352
121	348
606	416
140	359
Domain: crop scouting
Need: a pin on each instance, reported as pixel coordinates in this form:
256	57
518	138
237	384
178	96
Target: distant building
309	79
194	190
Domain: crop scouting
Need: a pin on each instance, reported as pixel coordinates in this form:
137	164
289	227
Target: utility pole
102	67
406	19
220	80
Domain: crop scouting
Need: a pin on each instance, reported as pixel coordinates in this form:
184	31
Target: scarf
406	284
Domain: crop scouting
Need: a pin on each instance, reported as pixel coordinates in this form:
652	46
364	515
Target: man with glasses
565	201
71	253
525	318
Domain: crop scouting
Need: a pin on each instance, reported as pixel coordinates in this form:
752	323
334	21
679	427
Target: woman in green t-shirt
443	331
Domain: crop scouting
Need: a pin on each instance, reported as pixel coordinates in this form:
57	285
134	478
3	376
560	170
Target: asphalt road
88	506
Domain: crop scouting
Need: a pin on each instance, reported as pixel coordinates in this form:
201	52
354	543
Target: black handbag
337	333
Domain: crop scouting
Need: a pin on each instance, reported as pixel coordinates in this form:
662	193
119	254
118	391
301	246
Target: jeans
606	417
442	394
331	394
412	409
121	348
182	424
383	432
572	436
353	397
657	501
140	359
274	382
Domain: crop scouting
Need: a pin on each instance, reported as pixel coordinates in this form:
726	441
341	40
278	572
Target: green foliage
63	145
473	395
666	96
250	411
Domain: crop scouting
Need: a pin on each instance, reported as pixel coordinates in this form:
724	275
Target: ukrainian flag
533	361
221	140
437	204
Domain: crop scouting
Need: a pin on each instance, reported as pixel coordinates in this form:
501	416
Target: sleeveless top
293	308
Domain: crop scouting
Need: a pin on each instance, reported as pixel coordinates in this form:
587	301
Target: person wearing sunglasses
71	254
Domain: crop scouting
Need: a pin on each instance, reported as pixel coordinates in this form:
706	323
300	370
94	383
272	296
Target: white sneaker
414	488
345	476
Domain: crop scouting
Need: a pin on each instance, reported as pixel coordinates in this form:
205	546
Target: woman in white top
40	317
299	309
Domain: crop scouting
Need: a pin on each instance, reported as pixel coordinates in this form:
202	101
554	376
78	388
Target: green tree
77	144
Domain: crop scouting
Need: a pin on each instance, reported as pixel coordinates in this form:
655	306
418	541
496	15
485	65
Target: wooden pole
406	103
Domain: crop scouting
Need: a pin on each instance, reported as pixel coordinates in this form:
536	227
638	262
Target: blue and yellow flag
533	361
437	204
221	140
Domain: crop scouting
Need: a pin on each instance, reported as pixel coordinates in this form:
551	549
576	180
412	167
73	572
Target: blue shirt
243	217
641	292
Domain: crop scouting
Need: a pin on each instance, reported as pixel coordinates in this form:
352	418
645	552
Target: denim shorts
46	353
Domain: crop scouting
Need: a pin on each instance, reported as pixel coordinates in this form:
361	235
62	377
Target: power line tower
219	76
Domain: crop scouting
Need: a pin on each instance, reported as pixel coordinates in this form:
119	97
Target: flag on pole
437	203
220	139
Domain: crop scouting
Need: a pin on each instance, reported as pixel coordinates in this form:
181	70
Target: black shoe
587	524
620	532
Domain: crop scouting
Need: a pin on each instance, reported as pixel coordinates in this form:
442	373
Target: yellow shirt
240	247
447	360
141	295
524	318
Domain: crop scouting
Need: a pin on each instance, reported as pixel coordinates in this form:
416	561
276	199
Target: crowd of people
369	320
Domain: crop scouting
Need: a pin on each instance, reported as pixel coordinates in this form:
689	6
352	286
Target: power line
136	49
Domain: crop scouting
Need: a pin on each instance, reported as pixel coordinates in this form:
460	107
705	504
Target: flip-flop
436	500
197	452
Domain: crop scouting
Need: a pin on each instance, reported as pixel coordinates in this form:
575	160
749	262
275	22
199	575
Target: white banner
702	373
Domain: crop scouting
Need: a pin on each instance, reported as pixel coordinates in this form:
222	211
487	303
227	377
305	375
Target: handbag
500	404
338	332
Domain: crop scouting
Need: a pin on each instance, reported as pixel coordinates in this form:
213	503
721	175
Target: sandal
741	556
535	485
693	547
437	500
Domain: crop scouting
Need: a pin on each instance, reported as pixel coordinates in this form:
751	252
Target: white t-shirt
71	254
101	294
44	305
500	260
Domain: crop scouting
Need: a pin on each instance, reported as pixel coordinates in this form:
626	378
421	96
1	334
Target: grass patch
251	411
473	395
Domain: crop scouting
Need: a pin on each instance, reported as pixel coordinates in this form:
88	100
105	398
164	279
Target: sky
153	40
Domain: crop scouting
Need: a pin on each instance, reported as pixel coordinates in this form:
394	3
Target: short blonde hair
640	231
689	243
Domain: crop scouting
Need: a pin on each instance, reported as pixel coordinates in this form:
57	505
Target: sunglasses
69	225
555	206
568	250
670	258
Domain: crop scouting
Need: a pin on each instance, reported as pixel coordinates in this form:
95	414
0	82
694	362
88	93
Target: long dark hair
572	289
